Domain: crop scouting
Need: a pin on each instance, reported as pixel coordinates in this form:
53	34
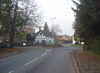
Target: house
44	37
64	37
76	42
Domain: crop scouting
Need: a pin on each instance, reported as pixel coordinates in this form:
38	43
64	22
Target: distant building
73	40
76	42
62	39
44	37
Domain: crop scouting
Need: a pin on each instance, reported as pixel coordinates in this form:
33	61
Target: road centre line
31	61
48	50
44	54
11	72
38	58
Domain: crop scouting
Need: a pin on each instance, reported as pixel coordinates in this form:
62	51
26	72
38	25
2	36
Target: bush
95	46
52	45
18	44
3	45
85	47
37	44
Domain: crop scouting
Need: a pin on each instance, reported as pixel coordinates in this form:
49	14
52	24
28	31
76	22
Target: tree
56	29
6	7
87	20
46	28
30	39
16	15
75	36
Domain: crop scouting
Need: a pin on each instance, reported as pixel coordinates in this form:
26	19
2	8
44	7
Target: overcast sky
61	9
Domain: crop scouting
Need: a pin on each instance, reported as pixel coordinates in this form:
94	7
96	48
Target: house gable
43	36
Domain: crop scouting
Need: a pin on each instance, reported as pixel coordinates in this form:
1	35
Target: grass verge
93	54
77	45
11	50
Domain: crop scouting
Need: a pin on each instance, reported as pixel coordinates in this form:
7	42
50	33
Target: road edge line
75	66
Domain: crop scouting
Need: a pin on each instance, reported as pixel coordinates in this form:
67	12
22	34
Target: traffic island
85	62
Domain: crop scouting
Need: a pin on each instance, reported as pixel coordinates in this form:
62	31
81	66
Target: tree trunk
11	38
12	27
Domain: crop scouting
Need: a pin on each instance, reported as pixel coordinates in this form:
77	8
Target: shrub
3	45
95	46
18	43
37	44
52	45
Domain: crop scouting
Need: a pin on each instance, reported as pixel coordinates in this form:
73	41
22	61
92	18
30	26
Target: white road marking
11	72
48	50
44	54
31	61
38	58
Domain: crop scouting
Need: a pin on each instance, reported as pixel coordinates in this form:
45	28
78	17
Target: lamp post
52	23
52	29
53	20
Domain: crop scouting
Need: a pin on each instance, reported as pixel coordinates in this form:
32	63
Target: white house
44	37
73	41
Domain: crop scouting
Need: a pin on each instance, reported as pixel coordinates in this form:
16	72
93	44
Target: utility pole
53	21
52	25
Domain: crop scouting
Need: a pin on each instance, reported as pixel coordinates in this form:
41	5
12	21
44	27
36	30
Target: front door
43	42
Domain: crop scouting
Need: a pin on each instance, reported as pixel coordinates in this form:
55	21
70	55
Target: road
39	60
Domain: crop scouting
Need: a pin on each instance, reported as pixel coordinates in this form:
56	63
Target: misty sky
61	9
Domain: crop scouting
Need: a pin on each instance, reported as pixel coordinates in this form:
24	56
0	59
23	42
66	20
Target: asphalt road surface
39	60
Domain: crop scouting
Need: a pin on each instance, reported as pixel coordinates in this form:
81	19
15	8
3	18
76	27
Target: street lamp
52	25
53	20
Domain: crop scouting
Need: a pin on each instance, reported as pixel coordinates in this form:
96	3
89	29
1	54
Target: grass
77	45
93	54
11	50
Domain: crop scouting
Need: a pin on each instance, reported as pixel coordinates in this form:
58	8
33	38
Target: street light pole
52	24
53	20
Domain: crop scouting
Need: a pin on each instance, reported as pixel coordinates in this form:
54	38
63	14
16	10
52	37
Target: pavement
39	60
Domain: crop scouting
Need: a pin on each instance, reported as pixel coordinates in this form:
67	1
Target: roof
46	33
63	37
